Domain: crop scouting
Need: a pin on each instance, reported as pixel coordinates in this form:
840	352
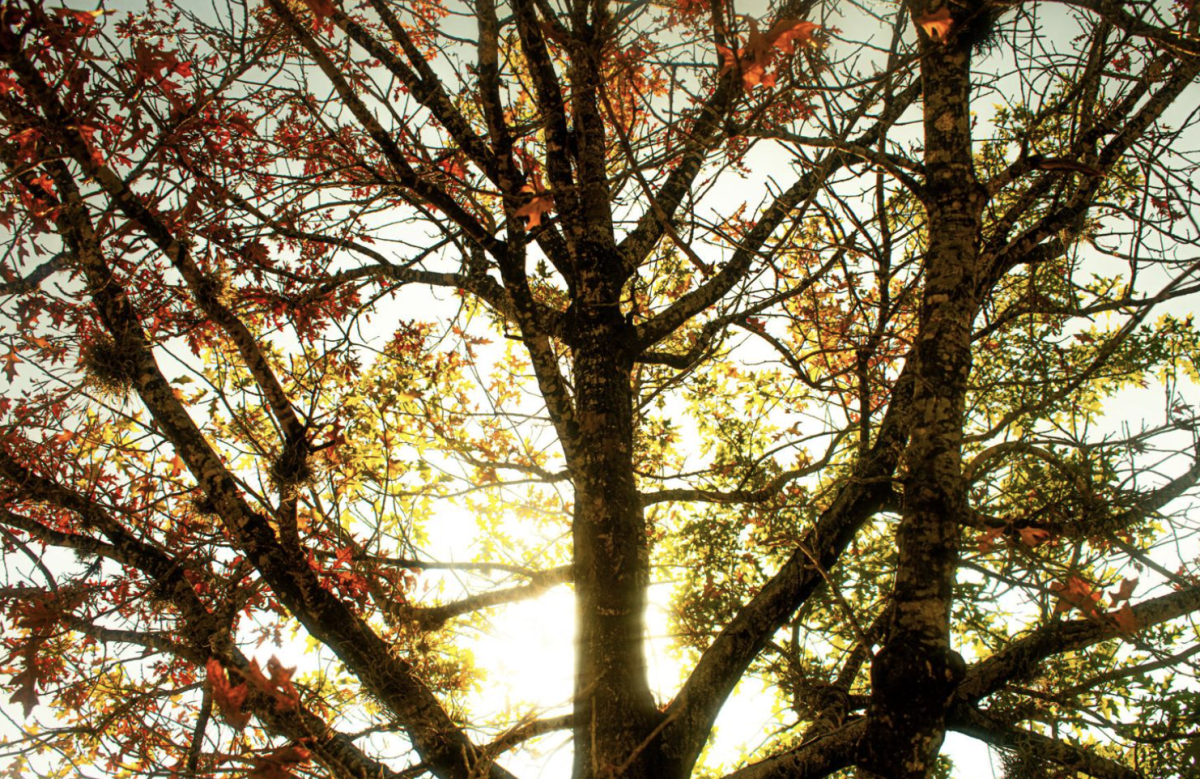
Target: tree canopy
857	332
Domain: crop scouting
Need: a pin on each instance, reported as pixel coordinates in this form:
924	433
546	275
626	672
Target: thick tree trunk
915	672
614	709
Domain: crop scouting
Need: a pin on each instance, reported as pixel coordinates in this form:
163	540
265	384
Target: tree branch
979	725
867	491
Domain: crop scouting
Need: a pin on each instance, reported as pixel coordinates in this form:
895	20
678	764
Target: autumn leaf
786	34
153	63
26	141
936	24
229	698
755	75
532	212
987	541
321	9
1075	593
1124	592
756	58
84	18
1032	536
10	365
729	59
1125	618
26	694
285	693
758	46
279	686
278	764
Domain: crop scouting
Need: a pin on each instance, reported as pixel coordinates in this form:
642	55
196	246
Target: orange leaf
936	24
1125	591
10	365
1032	536
229	698
786	34
1125	618
279	686
758	46
1075	593
729	58
756	75
987	541
531	213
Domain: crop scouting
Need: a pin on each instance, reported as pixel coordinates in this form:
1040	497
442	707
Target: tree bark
915	672
614	709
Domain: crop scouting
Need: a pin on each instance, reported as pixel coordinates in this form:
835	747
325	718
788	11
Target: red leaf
84	18
150	62
26	693
279	763
26	141
321	9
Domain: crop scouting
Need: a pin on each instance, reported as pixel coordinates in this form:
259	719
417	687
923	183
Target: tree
842	319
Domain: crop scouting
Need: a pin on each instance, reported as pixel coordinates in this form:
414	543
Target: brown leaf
230	698
26	693
1075	593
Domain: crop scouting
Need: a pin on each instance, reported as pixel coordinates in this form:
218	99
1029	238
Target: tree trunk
614	709
915	672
